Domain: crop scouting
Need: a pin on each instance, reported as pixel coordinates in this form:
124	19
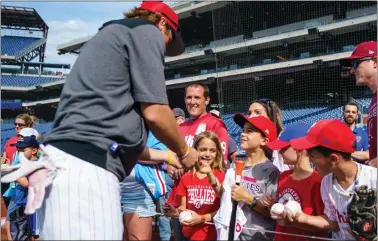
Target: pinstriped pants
83	202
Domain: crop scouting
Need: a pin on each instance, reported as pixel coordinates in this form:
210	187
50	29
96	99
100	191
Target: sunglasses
271	111
19	124
356	62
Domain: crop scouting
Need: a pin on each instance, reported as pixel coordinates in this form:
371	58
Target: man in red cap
363	65
115	90
330	144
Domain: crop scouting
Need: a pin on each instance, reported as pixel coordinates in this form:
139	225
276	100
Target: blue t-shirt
361	137
21	195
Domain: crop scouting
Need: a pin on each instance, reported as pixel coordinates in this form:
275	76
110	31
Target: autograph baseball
277	209
185	216
293	207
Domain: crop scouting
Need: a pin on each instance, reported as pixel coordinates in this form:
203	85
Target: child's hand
204	167
267	200
239	193
170	210
288	220
196	219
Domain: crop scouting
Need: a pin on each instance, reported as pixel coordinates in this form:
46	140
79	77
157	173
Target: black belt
82	150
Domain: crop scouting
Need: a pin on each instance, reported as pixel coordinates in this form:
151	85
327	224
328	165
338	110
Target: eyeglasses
356	62
19	124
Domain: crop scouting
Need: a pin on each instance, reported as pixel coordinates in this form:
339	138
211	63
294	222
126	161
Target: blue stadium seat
13	45
26	81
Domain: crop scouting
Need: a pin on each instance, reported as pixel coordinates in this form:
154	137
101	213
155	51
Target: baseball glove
362	213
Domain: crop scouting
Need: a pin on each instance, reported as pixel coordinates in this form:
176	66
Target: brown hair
27	118
145	14
218	164
206	91
270	108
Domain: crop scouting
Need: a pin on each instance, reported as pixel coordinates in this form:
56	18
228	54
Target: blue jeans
164	221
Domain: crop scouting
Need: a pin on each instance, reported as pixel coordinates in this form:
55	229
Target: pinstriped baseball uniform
336	205
82	204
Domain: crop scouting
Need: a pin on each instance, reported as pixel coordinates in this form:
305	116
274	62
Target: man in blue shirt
350	115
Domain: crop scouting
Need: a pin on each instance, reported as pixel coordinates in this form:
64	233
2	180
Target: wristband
253	204
169	158
186	153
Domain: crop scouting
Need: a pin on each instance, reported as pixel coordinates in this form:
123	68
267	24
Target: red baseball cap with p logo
177	46
331	134
365	49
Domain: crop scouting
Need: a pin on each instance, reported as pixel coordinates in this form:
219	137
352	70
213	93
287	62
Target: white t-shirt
336	205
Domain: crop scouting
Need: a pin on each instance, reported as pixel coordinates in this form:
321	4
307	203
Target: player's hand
204	167
191	158
175	161
239	193
170	210
196	219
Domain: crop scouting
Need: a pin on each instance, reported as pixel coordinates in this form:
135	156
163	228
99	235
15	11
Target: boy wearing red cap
363	65
259	177
330	144
301	184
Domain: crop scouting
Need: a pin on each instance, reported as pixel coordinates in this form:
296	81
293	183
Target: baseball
293	207
185	216
277	209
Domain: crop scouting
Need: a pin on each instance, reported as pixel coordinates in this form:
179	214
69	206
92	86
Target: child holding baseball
301	184
197	195
259	176
330	144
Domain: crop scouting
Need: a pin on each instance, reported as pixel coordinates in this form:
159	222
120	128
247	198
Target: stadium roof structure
22	18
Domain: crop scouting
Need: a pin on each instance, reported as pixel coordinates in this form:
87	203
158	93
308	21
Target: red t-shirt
372	127
10	150
307	193
190	129
200	198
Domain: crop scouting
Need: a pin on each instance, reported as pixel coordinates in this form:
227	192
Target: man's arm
163	125
361	156
314	223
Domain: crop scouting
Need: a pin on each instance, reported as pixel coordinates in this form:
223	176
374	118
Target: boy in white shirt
329	144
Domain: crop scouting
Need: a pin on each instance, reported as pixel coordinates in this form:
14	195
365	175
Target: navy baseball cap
291	131
27	141
178	112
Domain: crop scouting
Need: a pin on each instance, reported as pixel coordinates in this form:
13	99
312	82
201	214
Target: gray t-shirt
259	180
119	68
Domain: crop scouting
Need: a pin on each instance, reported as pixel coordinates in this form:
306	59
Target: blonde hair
27	118
218	164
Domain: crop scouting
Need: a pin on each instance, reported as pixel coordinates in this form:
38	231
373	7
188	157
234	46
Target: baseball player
114	91
197	97
330	144
363	65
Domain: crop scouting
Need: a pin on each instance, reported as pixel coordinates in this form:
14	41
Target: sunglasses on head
271	111
19	124
356	62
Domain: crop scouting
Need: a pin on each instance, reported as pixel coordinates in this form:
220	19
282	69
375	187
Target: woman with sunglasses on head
270	110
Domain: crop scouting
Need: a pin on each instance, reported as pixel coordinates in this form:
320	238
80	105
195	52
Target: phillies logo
198	203
367	226
358	138
238	228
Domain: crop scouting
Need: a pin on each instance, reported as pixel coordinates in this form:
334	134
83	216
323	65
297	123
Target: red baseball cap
262	123
177	46
365	49
332	134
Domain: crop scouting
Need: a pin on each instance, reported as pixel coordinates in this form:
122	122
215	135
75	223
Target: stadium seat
13	45
26	81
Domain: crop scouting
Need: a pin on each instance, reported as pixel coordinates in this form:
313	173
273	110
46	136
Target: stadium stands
26	81
13	45
307	115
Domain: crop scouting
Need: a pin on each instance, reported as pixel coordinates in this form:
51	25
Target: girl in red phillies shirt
302	184
197	194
